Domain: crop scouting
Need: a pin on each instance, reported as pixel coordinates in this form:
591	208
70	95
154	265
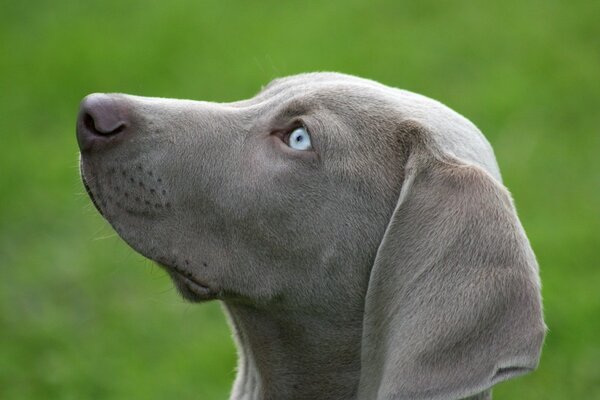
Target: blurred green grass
82	316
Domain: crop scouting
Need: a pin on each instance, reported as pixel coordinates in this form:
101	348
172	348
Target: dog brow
293	109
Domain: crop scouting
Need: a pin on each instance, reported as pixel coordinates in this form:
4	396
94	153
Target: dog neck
283	355
286	355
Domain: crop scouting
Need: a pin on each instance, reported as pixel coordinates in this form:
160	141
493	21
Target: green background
82	316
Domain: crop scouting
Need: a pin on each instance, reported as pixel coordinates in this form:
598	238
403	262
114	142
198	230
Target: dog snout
103	120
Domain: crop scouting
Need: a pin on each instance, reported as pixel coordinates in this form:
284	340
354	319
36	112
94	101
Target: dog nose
103	120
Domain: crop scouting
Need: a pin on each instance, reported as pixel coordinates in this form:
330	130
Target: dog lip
190	279
89	192
193	283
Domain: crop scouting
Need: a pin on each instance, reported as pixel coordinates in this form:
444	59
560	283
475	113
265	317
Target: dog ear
453	304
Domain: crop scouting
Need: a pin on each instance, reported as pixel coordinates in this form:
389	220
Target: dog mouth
90	193
188	285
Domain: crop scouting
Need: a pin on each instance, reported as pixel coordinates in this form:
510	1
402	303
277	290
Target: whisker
105	237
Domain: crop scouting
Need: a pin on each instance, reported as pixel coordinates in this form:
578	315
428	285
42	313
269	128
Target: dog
358	235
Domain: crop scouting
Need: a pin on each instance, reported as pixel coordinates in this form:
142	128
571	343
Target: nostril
90	123
119	129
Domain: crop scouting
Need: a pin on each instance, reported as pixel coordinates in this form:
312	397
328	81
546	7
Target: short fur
388	263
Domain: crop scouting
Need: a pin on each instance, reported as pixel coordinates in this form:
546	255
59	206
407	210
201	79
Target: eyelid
284	132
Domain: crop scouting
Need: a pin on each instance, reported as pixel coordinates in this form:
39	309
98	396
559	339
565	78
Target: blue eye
299	139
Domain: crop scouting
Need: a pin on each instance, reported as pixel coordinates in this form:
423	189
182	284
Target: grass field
82	316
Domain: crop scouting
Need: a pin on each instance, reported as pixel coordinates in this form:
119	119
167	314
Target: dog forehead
316	84
333	98
311	78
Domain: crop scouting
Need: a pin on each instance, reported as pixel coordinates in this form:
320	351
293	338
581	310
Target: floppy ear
453	304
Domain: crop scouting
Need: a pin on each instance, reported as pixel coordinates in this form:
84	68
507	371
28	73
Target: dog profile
358	235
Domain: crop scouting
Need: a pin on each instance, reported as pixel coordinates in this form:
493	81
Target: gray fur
387	264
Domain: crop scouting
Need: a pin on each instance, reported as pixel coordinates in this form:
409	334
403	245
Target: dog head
329	192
